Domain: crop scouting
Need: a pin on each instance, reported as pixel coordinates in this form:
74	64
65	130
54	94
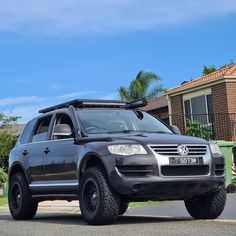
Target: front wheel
123	207
207	206
99	204
22	206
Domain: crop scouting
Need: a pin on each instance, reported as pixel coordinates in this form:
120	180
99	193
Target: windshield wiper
125	131
154	132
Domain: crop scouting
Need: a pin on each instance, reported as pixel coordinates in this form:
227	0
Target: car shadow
77	219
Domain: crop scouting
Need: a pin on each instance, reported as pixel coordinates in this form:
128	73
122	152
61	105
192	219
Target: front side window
97	121
41	131
63	119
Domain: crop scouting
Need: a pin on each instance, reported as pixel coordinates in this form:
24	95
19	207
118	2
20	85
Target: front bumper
147	183
159	188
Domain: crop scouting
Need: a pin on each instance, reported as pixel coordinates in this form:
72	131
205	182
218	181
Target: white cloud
111	96
25	113
27	107
75	95
89	16
21	100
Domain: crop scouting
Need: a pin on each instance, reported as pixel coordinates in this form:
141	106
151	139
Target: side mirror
175	129
62	130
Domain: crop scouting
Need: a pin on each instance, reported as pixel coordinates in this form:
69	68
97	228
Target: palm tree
144	85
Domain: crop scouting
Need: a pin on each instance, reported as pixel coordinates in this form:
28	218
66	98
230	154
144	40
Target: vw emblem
183	150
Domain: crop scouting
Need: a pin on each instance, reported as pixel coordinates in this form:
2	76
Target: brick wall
224	106
231	102
222	131
177	112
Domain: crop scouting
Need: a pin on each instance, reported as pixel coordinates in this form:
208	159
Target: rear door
33	152
61	159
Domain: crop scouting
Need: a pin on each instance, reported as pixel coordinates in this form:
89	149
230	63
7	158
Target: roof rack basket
98	103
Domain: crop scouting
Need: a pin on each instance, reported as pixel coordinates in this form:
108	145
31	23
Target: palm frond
124	93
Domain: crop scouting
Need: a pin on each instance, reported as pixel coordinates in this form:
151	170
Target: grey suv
108	153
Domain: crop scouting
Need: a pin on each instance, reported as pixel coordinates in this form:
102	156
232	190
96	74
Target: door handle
25	152
46	150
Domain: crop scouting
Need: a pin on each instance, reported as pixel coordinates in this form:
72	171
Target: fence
207	126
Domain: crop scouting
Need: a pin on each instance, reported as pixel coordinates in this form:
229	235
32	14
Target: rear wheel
207	206
99	204
123	207
21	205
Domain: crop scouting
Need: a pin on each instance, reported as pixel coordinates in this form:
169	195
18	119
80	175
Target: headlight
127	149
215	148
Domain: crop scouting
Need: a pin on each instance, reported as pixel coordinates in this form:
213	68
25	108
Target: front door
60	160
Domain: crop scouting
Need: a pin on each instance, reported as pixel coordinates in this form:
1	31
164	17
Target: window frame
188	97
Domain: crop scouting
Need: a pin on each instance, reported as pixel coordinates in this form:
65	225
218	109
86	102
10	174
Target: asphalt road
168	219
177	209
73	224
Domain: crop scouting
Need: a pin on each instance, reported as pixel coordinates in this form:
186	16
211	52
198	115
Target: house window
199	108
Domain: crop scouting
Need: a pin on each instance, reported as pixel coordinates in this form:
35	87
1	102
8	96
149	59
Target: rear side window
25	137
41	131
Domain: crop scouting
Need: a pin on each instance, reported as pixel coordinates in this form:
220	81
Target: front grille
135	170
184	170
172	150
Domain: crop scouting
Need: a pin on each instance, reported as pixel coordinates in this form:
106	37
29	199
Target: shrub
3	176
197	129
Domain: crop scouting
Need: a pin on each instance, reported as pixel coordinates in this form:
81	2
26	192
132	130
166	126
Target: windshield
97	121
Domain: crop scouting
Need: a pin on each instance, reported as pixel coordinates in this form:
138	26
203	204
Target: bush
197	129
3	176
7	137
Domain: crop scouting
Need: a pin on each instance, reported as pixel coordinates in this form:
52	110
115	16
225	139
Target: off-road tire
207	206
107	201
26	207
123	207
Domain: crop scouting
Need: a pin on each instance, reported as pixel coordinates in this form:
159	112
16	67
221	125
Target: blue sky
52	51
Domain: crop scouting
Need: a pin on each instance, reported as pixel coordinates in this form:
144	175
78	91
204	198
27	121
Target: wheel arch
17	168
90	159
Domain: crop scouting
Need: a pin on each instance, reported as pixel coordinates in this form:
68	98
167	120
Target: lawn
3	201
139	204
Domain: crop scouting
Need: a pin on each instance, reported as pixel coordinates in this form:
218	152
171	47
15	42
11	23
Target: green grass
139	204
3	201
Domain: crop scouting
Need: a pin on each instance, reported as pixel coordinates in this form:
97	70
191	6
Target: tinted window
41	131
115	121
25	137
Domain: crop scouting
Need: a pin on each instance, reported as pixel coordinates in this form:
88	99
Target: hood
150	138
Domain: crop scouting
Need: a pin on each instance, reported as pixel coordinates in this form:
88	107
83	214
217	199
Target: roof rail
98	103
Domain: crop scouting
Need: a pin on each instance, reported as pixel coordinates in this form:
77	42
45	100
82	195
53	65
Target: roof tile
226	71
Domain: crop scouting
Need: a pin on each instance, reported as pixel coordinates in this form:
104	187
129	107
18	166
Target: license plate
184	161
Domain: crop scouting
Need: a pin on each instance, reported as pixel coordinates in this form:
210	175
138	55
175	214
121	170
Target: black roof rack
98	103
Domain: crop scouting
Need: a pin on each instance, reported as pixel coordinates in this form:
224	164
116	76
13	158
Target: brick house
158	107
209	100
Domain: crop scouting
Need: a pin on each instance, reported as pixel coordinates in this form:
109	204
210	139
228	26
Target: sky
52	51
